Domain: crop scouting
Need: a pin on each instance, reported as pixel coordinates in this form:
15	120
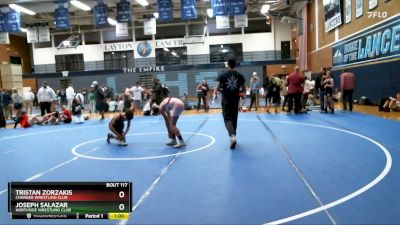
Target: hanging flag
241	21
124	11
165	10
222	22
121	30
44	33
3	25
219	7
188	9
4	38
149	26
32	34
237	7
61	14
100	13
13	21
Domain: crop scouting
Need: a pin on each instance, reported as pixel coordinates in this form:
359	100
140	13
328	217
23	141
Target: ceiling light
174	53
143	2
265	9
222	46
270	1
156	15
210	13
166	49
24	30
22	9
80	5
111	21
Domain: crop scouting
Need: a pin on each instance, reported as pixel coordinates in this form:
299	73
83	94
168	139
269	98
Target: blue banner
13	21
100	14
3	27
61	15
165	10
377	43
238	7
188	9
219	7
124	11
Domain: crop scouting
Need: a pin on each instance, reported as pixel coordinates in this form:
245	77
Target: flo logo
379	15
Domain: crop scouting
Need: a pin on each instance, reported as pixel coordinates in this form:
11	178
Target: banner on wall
237	7
44	33
4	38
32	34
188	9
165	10
61	14
124	14
3	27
100	13
149	26
222	22
241	21
377	43
359	8
348	11
219	7
372	4
13	19
121	30
333	14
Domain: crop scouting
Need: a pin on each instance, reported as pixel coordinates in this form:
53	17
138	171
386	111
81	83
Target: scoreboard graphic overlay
70	200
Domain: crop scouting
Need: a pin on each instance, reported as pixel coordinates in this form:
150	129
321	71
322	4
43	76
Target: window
171	56
15	60
92	38
257	26
224	52
73	62
109	36
118	60
165	32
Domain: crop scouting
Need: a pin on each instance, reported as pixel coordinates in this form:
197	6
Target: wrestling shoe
172	142
180	145
233	142
123	143
109	136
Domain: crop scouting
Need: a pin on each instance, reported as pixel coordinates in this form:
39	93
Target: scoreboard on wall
70	200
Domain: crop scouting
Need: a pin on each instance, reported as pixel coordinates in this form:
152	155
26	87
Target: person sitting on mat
26	122
65	115
171	109
117	127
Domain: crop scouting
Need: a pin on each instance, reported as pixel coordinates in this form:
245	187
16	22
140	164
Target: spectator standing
308	89
6	103
137	92
45	97
92	100
295	83
254	91
284	91
62	96
202	90
320	88
347	84
29	97
79	96
17	102
329	86
157	92
100	99
1	101
70	92
231	82
273	93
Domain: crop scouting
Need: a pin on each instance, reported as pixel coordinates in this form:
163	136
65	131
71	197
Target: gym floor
314	168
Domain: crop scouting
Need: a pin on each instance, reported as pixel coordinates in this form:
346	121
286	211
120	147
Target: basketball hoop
195	39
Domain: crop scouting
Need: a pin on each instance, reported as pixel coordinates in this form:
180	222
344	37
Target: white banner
373	4
121	30
32	34
44	34
4	38
359	8
149	26
241	21
348	11
222	22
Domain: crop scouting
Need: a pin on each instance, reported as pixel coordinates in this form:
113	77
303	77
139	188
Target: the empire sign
377	43
144	69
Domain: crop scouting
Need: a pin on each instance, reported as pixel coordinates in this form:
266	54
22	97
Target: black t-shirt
99	95
231	81
157	93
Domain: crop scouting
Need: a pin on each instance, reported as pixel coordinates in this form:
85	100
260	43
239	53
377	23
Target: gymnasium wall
180	80
18	47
